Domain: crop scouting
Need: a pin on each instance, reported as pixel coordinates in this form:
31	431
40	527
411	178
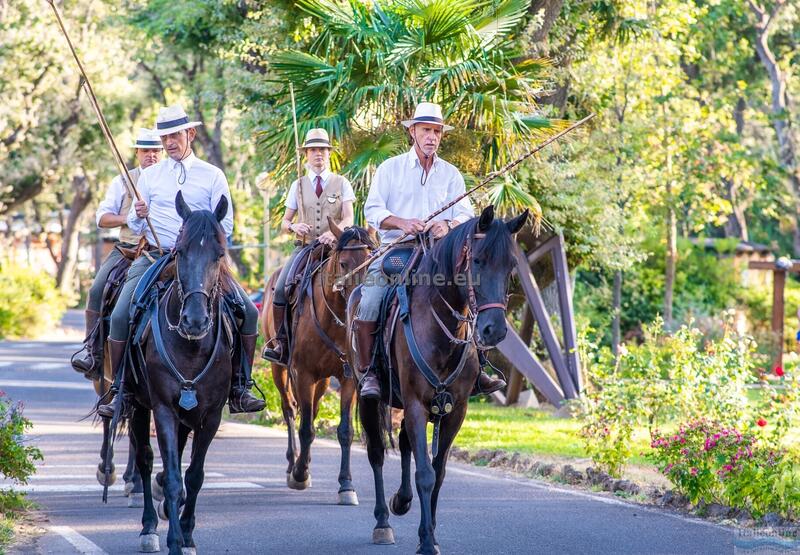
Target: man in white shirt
404	190
113	213
202	185
314	197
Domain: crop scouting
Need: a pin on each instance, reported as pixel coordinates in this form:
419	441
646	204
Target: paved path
245	506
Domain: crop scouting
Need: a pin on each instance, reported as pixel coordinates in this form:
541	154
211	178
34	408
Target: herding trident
123	169
339	285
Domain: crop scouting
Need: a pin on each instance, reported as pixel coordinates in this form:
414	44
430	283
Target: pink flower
761	422
693	472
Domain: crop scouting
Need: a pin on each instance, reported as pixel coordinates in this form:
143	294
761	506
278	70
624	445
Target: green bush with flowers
715	448
668	377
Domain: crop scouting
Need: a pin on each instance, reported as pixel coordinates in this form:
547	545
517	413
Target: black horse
456	306
185	376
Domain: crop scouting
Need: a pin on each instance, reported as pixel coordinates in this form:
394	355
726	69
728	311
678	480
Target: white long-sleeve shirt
112	202
347	189
397	190
158	185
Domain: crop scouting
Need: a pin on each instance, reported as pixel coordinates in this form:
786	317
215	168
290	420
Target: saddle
307	255
399	263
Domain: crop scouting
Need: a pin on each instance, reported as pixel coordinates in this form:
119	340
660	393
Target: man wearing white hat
113	212
405	190
202	185
317	195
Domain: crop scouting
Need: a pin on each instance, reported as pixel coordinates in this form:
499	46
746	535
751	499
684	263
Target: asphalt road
245	506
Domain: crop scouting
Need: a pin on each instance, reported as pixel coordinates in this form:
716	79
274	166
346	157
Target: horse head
199	266
353	246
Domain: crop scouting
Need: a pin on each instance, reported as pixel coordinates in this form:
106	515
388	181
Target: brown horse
317	354
455	305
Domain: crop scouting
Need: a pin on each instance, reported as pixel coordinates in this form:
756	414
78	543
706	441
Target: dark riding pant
95	299
279	296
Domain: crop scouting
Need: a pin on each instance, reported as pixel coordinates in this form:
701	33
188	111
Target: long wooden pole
296	137
123	169
505	169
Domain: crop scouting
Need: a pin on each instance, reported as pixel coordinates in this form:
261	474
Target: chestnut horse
455	305
318	353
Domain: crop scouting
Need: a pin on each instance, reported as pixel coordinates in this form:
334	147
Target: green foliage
714	463
16	458
29	302
327	417
669	376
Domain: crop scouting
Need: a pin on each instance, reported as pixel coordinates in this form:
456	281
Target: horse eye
476	260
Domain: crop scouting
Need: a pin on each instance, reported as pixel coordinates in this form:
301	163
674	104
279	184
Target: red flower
779	371
761	422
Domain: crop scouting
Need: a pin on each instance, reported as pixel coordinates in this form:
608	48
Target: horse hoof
128	488
148	543
294	484
162	510
348	498
435	550
383	536
157	490
397	507
101	478
136	501
188	551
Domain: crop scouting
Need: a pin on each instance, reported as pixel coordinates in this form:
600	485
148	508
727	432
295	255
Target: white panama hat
147	138
173	118
428	112
317	138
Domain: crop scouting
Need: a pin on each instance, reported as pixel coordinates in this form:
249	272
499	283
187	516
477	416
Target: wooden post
778	285
569	333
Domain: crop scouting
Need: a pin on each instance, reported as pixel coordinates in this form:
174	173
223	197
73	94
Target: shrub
668	376
16	458
29	301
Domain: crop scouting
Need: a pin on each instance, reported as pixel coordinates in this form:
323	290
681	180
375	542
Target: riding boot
87	361
117	351
279	353
485	384
365	342
241	400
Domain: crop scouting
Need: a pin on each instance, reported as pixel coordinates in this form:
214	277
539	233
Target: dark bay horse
318	352
456	305
186	375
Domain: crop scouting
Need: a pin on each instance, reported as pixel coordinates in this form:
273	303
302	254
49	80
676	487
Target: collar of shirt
187	162
312	175
413	159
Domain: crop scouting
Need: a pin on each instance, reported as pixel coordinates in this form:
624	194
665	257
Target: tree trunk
781	108
69	245
672	245
616	313
736	226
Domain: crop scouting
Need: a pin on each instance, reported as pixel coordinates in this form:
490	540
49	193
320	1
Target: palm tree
372	61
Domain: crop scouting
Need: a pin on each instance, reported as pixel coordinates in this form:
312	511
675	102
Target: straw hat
172	119
428	112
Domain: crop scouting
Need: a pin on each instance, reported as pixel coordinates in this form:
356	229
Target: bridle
182	296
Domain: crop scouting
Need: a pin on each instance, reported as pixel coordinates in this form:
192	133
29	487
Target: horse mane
202	224
496	248
354	232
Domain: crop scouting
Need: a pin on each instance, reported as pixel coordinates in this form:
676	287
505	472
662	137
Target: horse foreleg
195	476
167	430
371	416
300	477
450	426
143	457
416	422
280	376
400	502
344	432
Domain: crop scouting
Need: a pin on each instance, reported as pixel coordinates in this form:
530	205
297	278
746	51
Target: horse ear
516	224
222	208
486	218
335	229
183	209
